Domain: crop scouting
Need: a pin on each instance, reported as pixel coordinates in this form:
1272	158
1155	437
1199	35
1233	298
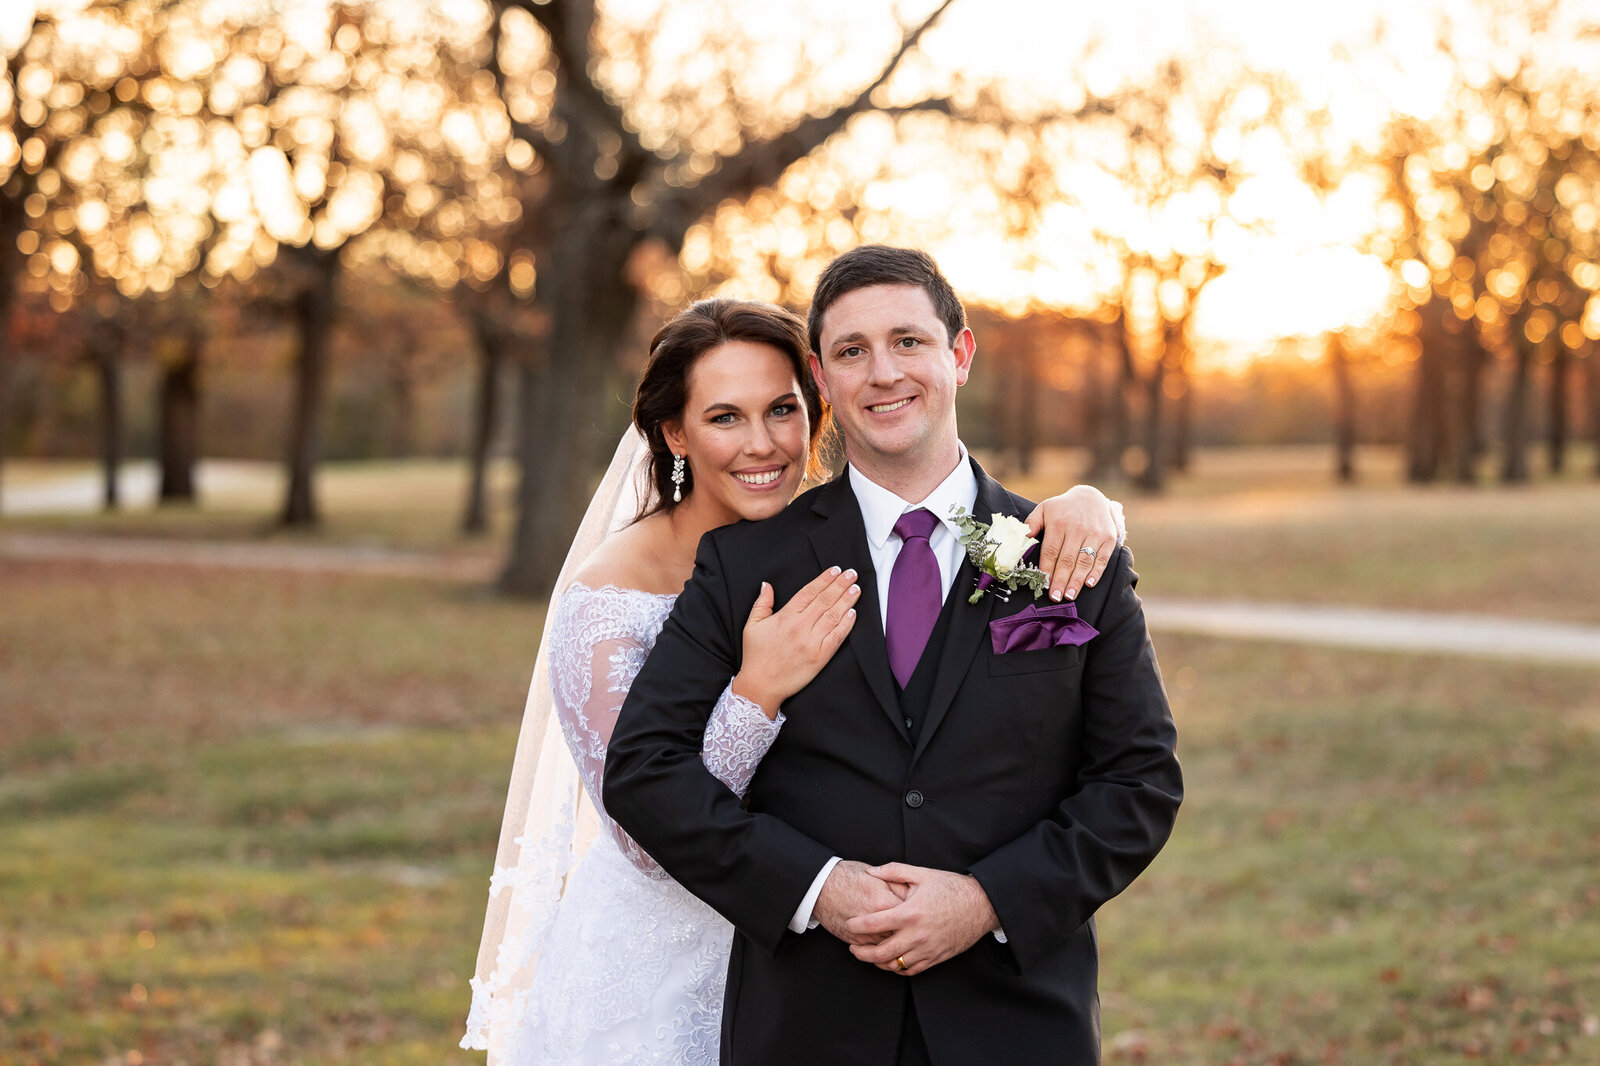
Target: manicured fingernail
855	590
1072	594
852	574
834	570
1055	594
1091	582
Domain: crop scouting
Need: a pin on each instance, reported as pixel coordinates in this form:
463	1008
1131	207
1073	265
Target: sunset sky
1293	257
1298	271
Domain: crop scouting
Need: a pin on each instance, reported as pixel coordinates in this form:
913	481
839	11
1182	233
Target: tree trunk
12	218
105	351
485	414
1344	409
5	406
403	434
1154	477
179	428
1560	388
1183	421
1112	443
1514	460
313	316
1592	361
1469	442
565	414
1027	436
1091	404
1426	433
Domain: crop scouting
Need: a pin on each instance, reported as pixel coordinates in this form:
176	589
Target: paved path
1355	627
245	555
1380	629
137	481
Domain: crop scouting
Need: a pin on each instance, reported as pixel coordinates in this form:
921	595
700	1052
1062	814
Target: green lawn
249	817
243	811
1270	524
1382	859
1245	523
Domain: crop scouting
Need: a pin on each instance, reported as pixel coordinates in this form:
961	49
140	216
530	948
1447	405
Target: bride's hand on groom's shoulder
784	650
944	914
850	892
1078	533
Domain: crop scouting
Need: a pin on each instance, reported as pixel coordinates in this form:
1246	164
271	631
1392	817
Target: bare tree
615	186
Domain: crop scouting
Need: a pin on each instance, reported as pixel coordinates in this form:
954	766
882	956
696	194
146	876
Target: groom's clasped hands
903	918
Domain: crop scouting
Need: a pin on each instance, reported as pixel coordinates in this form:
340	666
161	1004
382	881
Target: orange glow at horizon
1061	222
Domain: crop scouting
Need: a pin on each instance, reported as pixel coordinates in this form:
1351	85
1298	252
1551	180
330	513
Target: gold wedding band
901	962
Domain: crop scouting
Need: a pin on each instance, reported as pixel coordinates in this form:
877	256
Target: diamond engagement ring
1086	551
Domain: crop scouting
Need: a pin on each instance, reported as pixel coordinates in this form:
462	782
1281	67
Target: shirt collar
881	509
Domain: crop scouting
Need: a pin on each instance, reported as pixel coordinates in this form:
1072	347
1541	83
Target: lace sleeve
598	643
737	738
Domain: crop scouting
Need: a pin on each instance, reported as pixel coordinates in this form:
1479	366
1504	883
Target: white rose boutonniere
1011	541
997	550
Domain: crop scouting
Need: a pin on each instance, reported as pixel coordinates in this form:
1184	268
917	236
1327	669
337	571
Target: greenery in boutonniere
997	550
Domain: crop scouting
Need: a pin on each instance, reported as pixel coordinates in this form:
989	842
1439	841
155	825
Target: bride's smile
744	433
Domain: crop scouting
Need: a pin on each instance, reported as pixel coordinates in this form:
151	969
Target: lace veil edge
549	821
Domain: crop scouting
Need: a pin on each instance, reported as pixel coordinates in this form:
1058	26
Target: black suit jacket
1048	775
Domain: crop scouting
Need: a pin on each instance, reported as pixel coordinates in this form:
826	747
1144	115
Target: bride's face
744	431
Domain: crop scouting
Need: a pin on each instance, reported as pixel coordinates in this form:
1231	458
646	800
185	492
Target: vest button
913	798
910	724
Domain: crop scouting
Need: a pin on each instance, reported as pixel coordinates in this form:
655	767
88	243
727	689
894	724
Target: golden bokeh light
166	138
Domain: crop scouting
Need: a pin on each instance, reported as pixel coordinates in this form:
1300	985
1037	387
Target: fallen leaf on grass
1130	1046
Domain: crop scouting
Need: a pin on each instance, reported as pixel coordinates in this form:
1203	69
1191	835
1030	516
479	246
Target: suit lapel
969	625
841	540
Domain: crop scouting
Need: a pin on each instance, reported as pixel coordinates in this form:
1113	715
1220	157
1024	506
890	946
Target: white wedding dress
627	966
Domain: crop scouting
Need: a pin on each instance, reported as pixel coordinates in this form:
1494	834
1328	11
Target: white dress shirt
880	510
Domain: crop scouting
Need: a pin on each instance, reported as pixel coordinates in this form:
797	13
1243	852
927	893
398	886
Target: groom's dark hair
881	264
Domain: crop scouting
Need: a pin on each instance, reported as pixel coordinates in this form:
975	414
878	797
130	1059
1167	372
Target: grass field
248	818
1246	523
246	815
409	504
1270	524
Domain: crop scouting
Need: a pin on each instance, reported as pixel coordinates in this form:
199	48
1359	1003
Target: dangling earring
677	479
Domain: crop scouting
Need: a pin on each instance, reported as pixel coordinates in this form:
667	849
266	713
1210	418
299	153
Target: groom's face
891	373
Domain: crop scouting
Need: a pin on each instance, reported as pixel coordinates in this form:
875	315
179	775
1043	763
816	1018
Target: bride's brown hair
664	388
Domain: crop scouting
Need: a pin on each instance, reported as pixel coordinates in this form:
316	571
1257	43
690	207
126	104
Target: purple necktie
914	599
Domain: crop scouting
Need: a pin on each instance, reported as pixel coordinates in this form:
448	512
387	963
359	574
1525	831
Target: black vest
919	689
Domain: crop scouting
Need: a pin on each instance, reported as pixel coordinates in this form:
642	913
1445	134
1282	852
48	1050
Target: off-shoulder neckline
609	587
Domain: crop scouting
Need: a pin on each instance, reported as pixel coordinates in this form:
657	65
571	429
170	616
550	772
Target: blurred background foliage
400	227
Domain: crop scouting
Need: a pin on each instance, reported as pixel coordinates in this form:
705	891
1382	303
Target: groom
952	814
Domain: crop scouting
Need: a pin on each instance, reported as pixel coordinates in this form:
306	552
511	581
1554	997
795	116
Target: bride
591	954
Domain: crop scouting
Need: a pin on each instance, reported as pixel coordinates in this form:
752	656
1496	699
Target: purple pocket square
1032	628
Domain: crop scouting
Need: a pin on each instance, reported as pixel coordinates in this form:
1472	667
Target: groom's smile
891	372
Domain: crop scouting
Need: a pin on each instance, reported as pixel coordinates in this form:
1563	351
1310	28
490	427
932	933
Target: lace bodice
599	639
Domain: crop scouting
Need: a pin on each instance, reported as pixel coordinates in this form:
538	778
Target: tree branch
761	163
570	26
907	42
537	138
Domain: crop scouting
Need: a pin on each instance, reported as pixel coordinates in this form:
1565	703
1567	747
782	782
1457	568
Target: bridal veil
549	821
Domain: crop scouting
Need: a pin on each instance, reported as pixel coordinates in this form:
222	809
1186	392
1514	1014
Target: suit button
913	798
910	724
